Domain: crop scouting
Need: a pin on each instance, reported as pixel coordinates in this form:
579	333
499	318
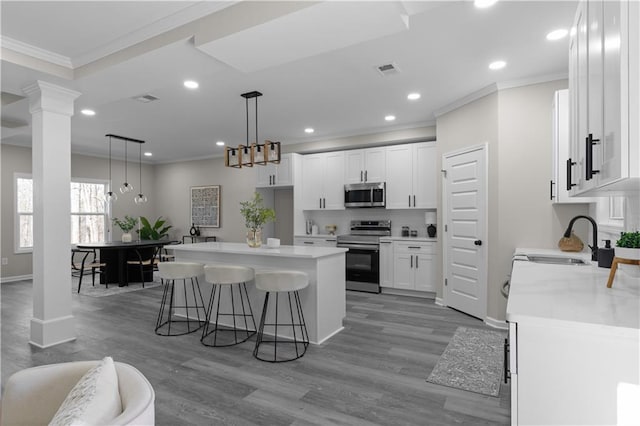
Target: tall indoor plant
126	225
157	231
255	216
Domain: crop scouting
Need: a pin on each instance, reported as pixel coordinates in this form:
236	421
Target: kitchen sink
556	260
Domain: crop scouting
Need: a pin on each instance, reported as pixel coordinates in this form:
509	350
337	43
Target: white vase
627	253
126	237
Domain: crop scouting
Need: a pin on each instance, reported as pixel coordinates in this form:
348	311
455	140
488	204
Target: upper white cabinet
411	176
365	165
562	168
323	181
273	175
604	83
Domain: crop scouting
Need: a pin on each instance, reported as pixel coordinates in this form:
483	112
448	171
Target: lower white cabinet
316	241
408	265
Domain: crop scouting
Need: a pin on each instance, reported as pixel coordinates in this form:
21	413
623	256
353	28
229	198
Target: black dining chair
83	260
144	260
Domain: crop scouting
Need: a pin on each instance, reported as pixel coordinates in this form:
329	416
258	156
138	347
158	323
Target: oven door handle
359	247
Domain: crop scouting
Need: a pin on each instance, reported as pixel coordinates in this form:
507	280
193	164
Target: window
88	212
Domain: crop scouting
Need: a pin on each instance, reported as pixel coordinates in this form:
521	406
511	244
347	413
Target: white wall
516	123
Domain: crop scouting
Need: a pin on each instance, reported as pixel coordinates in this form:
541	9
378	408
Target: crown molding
532	80
467	99
35	52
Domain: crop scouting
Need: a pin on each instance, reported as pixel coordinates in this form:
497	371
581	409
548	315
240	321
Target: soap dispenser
605	255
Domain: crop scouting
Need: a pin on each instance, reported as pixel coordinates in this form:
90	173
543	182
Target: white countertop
573	294
419	239
244	249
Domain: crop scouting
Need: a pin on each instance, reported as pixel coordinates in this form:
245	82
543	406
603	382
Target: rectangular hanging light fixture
252	153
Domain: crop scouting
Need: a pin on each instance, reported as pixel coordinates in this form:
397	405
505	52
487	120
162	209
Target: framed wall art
205	206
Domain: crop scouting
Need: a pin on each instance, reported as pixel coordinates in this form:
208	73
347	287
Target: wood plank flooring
372	373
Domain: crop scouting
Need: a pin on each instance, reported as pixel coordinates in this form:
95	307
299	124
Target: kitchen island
323	301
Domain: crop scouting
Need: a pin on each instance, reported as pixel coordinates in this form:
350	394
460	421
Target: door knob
478	242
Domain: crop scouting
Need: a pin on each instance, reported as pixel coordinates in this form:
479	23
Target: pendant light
110	196
126	186
252	153
140	198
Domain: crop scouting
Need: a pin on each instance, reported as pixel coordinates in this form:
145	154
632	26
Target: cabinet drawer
417	247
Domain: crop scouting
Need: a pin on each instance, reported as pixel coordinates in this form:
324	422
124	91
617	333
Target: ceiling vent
388	69
145	99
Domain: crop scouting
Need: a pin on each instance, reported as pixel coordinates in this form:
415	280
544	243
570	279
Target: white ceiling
315	66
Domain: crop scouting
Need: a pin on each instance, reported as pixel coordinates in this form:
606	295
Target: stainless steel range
363	257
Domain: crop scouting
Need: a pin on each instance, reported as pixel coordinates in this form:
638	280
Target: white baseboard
410	293
16	278
439	301
492	322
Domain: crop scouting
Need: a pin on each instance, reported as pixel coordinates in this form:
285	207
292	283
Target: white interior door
464	199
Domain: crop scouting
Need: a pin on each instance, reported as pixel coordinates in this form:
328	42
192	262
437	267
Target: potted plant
628	246
255	216
156	231
127	224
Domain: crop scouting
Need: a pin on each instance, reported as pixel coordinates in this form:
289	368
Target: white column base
52	332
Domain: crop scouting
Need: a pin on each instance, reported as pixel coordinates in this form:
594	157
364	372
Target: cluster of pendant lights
249	154
126	187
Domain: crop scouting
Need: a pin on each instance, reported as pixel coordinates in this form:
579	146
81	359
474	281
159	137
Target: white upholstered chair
32	396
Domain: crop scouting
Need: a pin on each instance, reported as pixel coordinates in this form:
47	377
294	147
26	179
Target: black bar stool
191	309
292	346
233	278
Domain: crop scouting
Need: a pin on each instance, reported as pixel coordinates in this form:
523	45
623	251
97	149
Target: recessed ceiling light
220	143
390	117
88	112
557	34
497	65
309	130
148	154
483	4
190	84
413	96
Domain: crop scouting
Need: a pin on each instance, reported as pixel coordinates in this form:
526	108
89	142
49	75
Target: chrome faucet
594	247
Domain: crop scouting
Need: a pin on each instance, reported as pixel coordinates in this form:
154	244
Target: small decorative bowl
331	229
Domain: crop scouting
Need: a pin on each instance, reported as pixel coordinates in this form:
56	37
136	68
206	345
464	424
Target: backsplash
414	219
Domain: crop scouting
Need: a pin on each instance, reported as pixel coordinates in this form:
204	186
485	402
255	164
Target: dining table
115	255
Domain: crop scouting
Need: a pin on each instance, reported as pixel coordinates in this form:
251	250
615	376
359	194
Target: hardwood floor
372	373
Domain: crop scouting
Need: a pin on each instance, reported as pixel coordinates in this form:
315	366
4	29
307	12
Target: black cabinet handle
569	165
409	200
551	183
414	247
307	242
412	261
478	242
324	203
414	201
360	175
507	376
416	262
590	142
320	199
365	175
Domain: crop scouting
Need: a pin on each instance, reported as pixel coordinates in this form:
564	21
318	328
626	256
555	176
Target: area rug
472	361
100	290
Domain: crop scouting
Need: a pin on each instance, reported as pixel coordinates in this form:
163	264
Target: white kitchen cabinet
559	190
386	263
323	181
413	266
411	176
604	79
365	165
275	175
316	241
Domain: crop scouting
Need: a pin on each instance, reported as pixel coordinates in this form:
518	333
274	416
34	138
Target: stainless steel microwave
359	195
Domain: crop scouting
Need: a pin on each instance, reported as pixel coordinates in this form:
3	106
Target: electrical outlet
5	261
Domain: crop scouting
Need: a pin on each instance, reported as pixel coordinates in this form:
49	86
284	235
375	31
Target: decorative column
51	108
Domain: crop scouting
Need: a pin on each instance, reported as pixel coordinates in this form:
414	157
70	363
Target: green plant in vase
126	225
156	231
255	216
628	245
